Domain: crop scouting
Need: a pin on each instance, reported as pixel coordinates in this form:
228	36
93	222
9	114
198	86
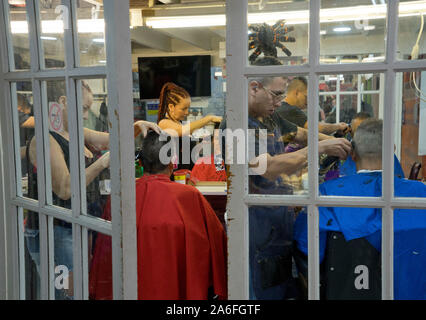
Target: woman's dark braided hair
170	94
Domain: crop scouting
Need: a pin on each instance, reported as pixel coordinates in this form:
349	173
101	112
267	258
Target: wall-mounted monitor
189	72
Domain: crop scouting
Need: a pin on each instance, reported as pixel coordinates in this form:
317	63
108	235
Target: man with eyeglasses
271	227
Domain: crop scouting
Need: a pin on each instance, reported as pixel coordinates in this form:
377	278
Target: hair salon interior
61	105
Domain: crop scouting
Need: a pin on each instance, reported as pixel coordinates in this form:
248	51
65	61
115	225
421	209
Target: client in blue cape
349	167
354	223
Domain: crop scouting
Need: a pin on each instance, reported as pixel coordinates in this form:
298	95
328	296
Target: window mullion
237	117
119	61
387	155
313	102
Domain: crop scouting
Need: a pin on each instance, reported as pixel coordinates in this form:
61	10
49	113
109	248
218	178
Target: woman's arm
61	178
98	141
174	128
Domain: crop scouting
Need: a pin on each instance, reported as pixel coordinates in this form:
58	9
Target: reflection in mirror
91	33
54	19
22	91
277	136
19	37
93	101
410	126
276	127
279	29
411	30
343	96
352	31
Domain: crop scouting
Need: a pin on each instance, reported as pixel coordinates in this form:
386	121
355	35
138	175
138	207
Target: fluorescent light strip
369	12
342	29
57	26
292	18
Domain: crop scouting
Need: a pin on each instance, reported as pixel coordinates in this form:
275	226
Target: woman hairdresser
174	107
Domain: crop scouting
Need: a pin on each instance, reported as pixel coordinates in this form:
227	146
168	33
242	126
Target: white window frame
237	115
122	228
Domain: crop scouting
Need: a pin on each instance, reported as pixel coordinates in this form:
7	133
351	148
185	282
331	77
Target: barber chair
415	169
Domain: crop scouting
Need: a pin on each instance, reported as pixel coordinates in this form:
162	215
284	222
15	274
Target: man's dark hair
150	154
267	61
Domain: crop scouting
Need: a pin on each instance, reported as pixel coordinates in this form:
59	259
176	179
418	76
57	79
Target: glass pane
348	108
100	265
371	104
409	260
350	252
279	29
56	103
346	95
348	82
411	33
22	92
370	82
328	106
351	31
91	33
328	83
410	126
277	115
63	257
272	267
94	108
52	32
359	172
32	255
19	36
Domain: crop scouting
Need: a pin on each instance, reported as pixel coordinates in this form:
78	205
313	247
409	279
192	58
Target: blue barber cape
348	168
409	227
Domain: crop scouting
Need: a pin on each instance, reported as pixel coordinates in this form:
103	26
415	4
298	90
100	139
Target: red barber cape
181	245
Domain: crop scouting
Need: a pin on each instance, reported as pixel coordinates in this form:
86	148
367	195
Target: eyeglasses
275	95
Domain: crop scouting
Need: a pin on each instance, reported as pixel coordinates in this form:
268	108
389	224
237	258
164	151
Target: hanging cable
414	56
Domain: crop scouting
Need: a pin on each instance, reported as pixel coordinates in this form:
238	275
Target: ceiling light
57	26
48	38
369	28
370	12
323	32
99	40
186	21
342	29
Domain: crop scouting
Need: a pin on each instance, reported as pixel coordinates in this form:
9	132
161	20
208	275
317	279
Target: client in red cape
181	242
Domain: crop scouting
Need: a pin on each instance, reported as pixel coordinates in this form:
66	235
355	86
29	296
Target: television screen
189	72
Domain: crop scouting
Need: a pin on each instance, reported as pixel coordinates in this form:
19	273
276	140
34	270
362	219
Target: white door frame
236	113
123	225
